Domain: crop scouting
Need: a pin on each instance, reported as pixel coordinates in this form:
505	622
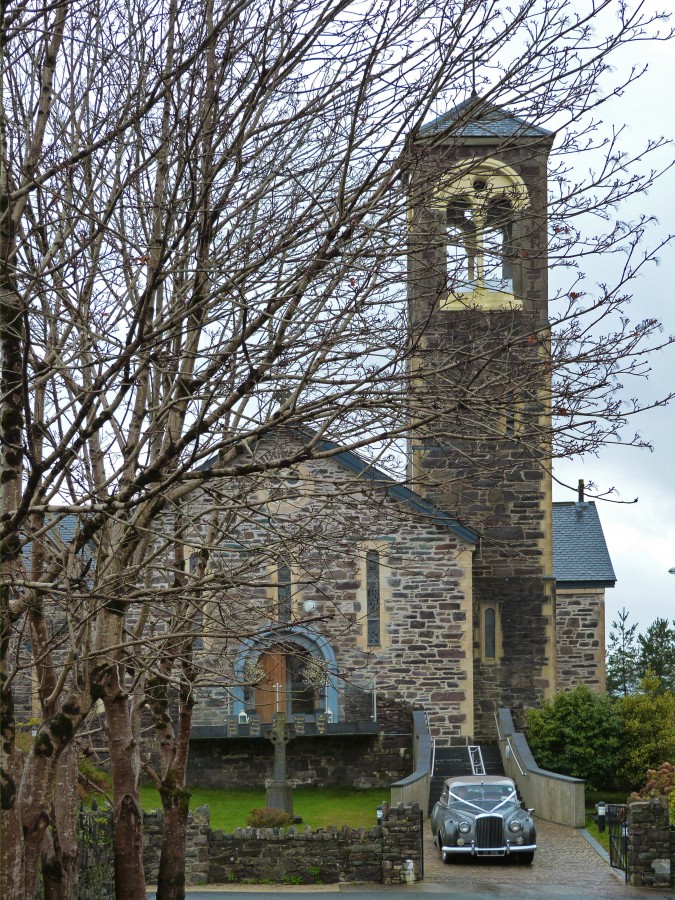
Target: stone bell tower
477	282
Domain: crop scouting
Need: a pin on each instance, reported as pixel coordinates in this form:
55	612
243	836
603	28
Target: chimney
581	491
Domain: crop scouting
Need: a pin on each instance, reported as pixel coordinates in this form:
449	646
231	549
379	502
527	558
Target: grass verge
319	807
593	797
601	837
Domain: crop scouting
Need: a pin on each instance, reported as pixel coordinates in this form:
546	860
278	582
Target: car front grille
489	832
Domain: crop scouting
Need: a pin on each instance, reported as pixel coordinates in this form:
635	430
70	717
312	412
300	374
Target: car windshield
482	797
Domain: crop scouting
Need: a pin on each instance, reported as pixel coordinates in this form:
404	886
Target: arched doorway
294	672
287	685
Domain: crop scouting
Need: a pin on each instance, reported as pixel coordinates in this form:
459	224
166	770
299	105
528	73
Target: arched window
284	601
482	202
490	633
373	597
479	242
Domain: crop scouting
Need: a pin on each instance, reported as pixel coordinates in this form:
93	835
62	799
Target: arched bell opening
479	247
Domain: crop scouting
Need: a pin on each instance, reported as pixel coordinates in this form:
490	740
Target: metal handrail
511	753
476	758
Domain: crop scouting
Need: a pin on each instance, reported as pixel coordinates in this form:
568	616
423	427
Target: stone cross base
280	796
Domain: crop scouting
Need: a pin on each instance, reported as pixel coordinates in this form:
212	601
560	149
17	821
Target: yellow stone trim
465	561
481	298
500	178
382	548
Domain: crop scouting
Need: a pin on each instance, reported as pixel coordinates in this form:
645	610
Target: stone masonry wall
197	852
580	638
524	635
390	853
353	760
651	845
423	657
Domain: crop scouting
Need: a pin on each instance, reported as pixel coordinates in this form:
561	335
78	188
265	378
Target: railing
514	756
359	705
476	758
617	826
415	788
555	797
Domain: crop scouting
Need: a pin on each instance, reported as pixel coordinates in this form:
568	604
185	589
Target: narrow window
461	242
497	245
490	633
510	417
284	592
373	597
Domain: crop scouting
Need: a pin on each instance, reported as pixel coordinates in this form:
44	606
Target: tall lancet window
490	634
373	613
497	246
284	605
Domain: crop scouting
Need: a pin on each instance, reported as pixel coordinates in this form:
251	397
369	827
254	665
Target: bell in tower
477	282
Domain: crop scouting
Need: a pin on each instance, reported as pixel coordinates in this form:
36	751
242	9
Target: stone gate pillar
651	844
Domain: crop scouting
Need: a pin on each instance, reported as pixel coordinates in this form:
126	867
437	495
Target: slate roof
66	529
354	463
580	554
479	119
417	503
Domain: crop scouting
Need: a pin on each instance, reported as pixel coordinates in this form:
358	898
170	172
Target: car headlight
515	826
464	827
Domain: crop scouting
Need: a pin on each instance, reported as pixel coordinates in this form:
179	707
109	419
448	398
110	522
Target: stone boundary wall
197	846
390	853
651	845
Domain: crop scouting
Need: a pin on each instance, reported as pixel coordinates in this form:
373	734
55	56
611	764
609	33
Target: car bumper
507	850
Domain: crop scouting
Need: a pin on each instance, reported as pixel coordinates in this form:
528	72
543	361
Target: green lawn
593	797
319	807
592	829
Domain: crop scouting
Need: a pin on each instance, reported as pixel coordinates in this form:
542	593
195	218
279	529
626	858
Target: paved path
563	858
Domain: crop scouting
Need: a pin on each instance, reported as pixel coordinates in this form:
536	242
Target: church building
465	589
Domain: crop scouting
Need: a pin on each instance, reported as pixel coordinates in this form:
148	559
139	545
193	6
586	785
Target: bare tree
203	239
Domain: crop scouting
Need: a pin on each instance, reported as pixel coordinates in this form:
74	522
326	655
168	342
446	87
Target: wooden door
270	694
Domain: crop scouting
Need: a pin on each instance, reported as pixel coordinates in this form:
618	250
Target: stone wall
580	638
197	852
353	760
651	845
389	853
423	655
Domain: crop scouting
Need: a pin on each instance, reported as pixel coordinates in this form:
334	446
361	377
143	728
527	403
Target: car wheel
525	859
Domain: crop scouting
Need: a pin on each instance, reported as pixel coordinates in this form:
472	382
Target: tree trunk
59	858
127	816
12	864
171	878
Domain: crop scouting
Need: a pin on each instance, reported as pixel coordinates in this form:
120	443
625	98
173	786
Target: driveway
564	858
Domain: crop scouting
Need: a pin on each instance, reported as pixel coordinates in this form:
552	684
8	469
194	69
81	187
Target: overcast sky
641	536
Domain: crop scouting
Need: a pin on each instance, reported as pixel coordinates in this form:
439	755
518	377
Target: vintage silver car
481	815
